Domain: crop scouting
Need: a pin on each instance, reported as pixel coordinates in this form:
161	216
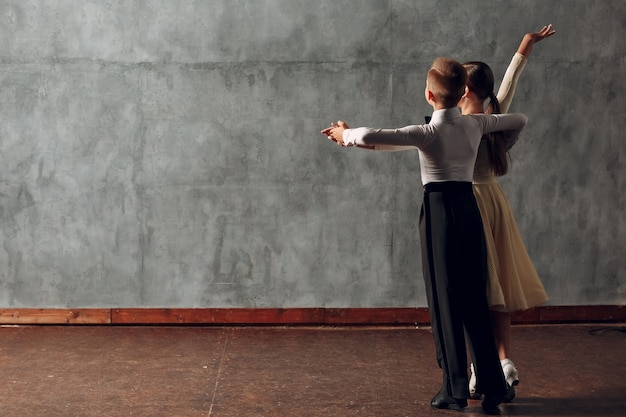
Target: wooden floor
108	371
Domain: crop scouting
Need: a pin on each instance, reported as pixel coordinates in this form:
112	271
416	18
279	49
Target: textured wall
167	153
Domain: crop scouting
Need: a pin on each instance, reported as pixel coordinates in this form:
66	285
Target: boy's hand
335	132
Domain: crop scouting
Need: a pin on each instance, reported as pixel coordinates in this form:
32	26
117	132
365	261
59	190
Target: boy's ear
430	96
467	91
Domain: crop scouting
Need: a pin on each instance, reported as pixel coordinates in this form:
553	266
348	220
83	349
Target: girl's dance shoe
511	377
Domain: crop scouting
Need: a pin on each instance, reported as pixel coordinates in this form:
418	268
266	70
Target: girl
513	282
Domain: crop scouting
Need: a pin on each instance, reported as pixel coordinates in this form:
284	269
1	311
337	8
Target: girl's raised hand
529	39
545	32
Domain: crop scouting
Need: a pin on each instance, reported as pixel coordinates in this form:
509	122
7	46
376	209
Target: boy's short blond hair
447	79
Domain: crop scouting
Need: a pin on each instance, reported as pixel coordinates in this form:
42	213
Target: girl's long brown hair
480	82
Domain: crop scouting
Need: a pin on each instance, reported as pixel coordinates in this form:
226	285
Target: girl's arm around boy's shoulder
501	122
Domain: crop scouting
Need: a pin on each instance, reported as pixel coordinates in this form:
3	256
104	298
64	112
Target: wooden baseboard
291	316
55	316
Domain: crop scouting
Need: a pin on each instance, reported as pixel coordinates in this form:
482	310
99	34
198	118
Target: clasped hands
335	132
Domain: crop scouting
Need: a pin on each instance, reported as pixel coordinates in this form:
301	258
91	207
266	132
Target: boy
451	232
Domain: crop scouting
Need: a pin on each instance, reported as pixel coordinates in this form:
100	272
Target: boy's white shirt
447	145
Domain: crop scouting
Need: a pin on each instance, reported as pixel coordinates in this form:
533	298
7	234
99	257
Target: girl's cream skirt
513	282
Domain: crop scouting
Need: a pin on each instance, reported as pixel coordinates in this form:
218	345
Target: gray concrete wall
167	153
